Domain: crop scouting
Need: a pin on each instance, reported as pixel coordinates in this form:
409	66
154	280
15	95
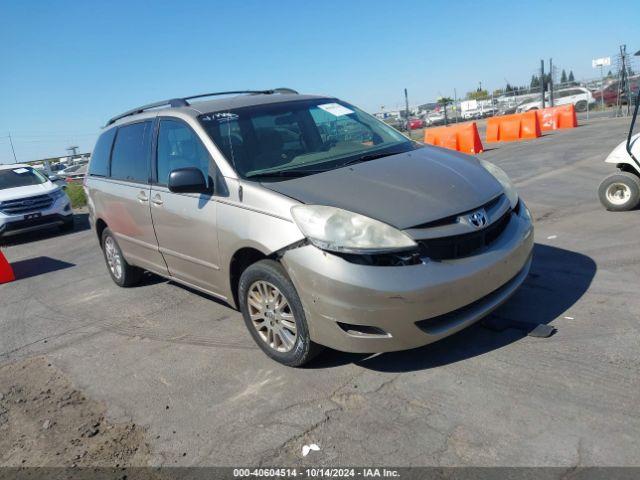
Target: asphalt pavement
182	365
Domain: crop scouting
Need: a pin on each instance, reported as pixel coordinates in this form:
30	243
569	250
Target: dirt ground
45	421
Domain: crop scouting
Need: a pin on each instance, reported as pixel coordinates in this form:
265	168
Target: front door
185	223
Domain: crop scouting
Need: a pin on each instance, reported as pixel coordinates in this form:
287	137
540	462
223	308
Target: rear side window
130	157
99	165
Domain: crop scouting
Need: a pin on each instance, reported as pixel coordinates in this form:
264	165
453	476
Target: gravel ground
181	367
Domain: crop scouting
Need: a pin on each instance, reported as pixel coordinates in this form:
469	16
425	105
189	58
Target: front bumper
412	305
58	214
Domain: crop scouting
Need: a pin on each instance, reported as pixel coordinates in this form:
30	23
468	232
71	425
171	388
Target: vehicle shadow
33	267
81	223
558	279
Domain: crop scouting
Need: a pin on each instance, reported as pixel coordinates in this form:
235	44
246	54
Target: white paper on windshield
21	170
335	109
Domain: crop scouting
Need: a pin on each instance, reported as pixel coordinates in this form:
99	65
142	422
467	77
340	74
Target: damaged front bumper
366	309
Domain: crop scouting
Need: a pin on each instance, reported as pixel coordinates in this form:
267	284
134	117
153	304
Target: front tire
123	274
620	192
581	106
274	315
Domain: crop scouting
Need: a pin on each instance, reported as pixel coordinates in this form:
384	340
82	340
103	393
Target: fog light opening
363	330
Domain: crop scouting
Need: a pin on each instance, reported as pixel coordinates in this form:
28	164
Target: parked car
416	123
579	97
399	124
434	118
610	92
366	242
77	175
30	201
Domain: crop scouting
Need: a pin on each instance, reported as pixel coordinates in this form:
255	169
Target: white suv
30	201
578	96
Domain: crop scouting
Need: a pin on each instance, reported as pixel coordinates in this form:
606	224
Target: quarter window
99	165
130	157
179	147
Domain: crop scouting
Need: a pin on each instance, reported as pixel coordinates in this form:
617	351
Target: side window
179	147
99	164
130	157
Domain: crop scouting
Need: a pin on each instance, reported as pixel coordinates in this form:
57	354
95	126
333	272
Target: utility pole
455	103
15	160
406	105
551	82
542	82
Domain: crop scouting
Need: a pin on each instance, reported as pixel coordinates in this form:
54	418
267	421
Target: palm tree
444	101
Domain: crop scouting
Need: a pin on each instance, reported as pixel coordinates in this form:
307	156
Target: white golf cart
620	191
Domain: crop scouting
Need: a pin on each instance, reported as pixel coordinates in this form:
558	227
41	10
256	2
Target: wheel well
625	167
242	259
100	226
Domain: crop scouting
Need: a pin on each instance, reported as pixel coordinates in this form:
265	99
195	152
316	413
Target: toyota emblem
478	219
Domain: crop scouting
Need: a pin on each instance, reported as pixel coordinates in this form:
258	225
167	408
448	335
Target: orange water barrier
6	272
463	137
509	128
554	118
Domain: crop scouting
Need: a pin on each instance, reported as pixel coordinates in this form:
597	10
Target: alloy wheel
271	315
114	260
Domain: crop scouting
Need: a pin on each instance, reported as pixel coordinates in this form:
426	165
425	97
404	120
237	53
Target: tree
478	95
609	74
535	81
571	77
563	77
444	101
509	88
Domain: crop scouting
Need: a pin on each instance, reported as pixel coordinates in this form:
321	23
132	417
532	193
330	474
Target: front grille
459	246
454	218
26	205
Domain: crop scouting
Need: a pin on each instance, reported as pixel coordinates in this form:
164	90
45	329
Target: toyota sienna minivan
321	224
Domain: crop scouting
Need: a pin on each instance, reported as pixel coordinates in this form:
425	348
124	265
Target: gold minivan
322	224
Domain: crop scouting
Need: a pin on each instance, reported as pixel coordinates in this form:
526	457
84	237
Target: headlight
505	181
57	193
338	230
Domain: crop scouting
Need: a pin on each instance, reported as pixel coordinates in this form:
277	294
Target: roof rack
182	102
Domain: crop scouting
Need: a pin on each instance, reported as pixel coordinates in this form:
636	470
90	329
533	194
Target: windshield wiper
369	156
284	173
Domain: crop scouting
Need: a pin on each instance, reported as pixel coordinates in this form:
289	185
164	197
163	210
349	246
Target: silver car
321	224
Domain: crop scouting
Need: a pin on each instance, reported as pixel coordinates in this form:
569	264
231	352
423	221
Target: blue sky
68	66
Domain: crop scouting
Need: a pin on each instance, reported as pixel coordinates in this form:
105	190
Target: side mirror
187	180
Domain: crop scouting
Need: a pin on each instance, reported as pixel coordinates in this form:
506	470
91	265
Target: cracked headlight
338	230
503	178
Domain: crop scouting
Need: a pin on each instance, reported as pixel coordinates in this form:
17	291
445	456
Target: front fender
240	226
619	155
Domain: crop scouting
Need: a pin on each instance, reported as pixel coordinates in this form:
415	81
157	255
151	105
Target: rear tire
620	192
274	315
123	274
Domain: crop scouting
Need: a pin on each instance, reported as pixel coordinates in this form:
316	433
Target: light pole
15	160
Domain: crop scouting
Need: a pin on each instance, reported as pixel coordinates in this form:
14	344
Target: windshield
300	137
20	177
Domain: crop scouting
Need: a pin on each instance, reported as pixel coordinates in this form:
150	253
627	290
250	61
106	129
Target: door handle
157	200
142	197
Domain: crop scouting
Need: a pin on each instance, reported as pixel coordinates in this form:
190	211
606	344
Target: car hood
28	191
403	190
